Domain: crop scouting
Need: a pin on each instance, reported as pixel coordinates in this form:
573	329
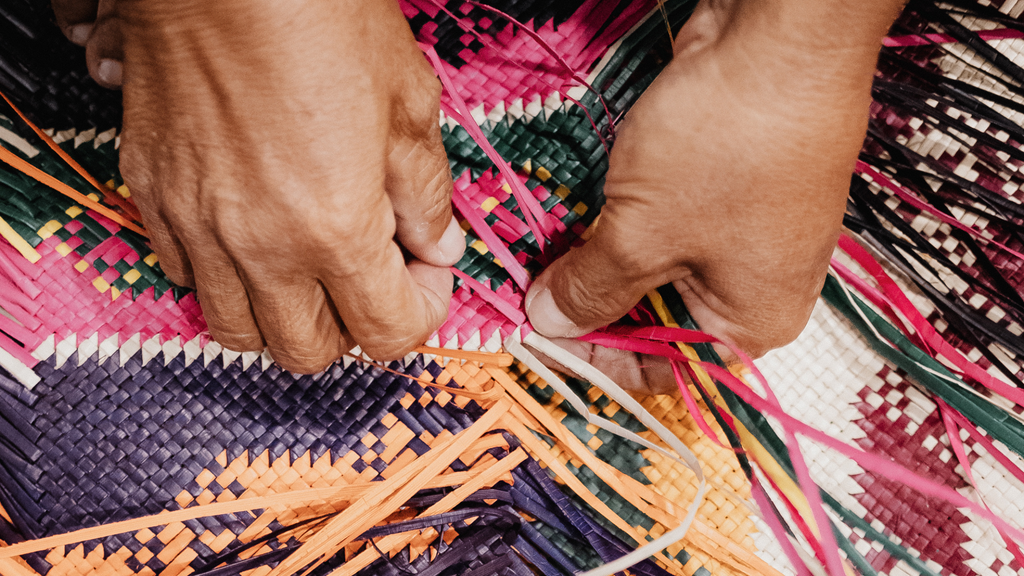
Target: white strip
18	142
22	373
584	370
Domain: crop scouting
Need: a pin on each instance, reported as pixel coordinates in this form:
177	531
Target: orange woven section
290	491
725	508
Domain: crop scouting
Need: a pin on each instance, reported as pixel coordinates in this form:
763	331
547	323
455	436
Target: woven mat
133	411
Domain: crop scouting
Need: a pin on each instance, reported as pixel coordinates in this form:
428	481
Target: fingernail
453	243
547	318
79	33
109	72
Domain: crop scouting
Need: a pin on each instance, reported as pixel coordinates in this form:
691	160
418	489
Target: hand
280	152
728	180
94	25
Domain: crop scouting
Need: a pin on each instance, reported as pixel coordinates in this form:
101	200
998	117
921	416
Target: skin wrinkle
736	162
282	224
729	174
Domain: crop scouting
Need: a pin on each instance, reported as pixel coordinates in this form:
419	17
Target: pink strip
488	41
19	332
510	220
884	181
9	293
882	466
761	498
798	519
494	244
896	296
989	446
18	352
691	405
961	455
11	259
925	39
558	57
828	545
491	297
531	208
879	300
877	464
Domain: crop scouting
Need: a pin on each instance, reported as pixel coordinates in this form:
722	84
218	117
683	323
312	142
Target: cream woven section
832	380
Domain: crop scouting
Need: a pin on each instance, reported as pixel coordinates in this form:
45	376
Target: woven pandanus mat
132	444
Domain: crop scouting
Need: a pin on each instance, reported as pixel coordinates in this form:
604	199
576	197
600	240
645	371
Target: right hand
281	153
728	180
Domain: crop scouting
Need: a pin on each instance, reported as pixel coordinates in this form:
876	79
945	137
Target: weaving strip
132	410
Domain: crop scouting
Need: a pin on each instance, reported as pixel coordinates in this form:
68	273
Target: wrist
821	47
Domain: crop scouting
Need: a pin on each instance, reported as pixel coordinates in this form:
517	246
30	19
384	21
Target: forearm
825	47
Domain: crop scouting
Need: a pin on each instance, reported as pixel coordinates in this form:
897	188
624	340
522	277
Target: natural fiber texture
115	406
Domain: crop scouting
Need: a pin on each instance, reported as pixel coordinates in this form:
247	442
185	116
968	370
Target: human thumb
593	285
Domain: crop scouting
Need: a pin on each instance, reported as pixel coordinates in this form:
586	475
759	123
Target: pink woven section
63	295
490	77
64	301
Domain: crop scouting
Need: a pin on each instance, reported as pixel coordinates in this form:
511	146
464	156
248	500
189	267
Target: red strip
691	405
989	446
882	466
926	39
761	498
896	296
953	433
879	300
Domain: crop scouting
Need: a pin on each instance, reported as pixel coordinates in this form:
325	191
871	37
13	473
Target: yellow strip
754	448
18	242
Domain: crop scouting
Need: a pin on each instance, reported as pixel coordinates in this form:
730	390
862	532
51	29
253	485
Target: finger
391	308
104	52
171	254
173	258
642	375
298	321
76	18
595	284
419	184
224	300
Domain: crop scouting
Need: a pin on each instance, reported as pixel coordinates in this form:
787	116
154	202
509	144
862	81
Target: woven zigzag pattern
131	431
215	429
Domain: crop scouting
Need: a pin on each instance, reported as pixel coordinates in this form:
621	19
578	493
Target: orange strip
43	178
481	357
390	496
338	493
110	196
648	501
13	568
398	541
493	393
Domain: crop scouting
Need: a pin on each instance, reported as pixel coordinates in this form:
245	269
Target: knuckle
177	275
303	365
436	212
775	327
576	296
385	348
238	342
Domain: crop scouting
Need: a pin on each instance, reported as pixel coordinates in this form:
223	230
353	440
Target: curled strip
683	455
